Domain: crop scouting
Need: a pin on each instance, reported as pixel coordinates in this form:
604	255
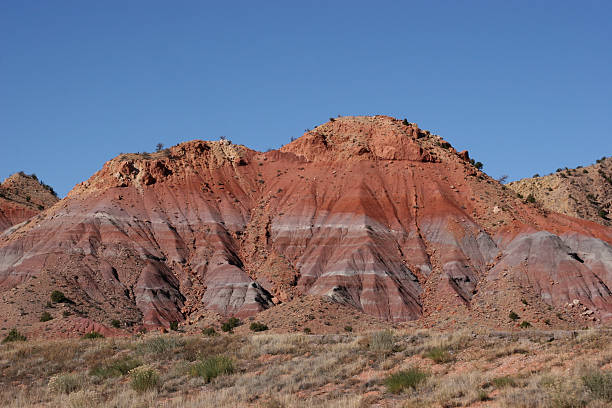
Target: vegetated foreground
382	218
421	368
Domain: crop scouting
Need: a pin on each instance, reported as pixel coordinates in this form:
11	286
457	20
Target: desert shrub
503	382
83	399
159	344
382	341
209	331
14	335
45	317
348	329
144	378
530	198
258	327
438	355
525	325
230	324
513	316
307	330
525	398
212	367
115	368
58	297
116	323
65	383
599	383
93	335
564	391
402	380
66	313
478	165
174	326
483	395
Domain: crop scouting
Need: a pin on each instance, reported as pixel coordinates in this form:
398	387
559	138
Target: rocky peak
149	168
371	138
22	196
28	191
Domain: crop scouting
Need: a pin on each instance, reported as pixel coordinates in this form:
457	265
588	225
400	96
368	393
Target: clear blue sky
525	86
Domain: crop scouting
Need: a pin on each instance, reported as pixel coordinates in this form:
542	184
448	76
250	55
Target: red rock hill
21	197
371	212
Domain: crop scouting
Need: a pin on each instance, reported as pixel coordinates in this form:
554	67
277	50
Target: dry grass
526	369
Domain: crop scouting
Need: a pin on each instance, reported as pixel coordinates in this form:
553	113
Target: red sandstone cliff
371	212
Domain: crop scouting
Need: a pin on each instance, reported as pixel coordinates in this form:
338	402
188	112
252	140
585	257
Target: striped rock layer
371	212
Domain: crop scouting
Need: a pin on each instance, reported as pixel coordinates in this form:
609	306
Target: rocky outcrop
23	196
583	192
371	212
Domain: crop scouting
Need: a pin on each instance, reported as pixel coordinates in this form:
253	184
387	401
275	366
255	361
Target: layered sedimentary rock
371	212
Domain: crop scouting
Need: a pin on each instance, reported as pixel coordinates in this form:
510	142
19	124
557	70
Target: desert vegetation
418	368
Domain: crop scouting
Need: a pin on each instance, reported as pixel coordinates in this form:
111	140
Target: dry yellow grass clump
386	368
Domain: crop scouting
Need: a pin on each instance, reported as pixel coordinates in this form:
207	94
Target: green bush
525	325
93	335
174	326
230	324
483	395
503	382
115	368
307	330
348	329
45	317
212	367
144	378
209	331
599	383
402	380
58	297
530	198
258	327
513	315
14	335
116	323
438	355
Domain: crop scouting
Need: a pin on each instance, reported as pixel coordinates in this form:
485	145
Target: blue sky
525	86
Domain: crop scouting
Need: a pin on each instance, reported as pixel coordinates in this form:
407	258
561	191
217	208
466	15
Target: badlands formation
362	215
